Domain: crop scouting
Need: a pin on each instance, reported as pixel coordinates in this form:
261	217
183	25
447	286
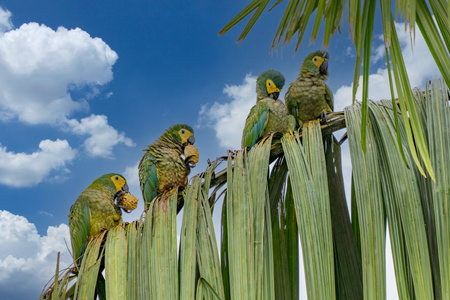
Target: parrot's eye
182	131
314	59
269	84
117	178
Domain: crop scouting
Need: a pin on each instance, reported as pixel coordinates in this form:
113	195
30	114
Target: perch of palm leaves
167	163
335	121
265	211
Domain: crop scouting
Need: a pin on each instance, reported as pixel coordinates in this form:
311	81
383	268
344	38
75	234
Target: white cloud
228	119
378	52
38	66
102	137
350	51
419	63
22	169
5	20
27	259
41	67
131	174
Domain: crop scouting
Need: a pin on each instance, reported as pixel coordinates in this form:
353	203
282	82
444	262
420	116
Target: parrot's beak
275	95
190	141
119	196
324	68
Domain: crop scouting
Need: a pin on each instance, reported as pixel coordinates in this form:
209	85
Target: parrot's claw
231	153
323	117
270	133
308	123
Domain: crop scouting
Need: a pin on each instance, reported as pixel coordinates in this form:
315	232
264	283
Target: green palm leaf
308	177
368	196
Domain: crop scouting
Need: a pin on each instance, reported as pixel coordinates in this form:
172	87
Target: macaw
98	207
308	97
269	114
167	162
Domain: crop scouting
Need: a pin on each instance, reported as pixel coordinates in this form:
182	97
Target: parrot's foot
169	192
271	132
231	153
323	117
308	123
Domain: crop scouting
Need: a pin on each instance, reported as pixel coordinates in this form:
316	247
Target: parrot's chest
172	171
278	118
309	95
103	211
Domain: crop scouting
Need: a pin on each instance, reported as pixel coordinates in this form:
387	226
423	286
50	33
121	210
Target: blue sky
85	86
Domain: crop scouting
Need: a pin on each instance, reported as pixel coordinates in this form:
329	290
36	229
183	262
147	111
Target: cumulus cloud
5	20
228	119
102	137
22	169
132	176
419	64
39	65
40	69
27	259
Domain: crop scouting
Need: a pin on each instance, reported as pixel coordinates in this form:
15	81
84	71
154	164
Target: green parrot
269	114
308	97
98	208
167	162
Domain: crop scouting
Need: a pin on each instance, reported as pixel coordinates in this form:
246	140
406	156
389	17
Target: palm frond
368	196
308	177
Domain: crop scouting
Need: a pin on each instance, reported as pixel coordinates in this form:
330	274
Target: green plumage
308	97
93	211
162	167
269	114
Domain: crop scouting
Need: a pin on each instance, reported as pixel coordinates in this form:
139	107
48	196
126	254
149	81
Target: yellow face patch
271	87
118	181
317	60
184	135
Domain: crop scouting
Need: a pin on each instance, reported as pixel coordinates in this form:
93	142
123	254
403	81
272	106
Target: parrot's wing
329	97
80	226
291	104
148	177
255	124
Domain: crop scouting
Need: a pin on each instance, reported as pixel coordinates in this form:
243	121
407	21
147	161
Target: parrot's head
118	186
315	64
183	136
269	84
